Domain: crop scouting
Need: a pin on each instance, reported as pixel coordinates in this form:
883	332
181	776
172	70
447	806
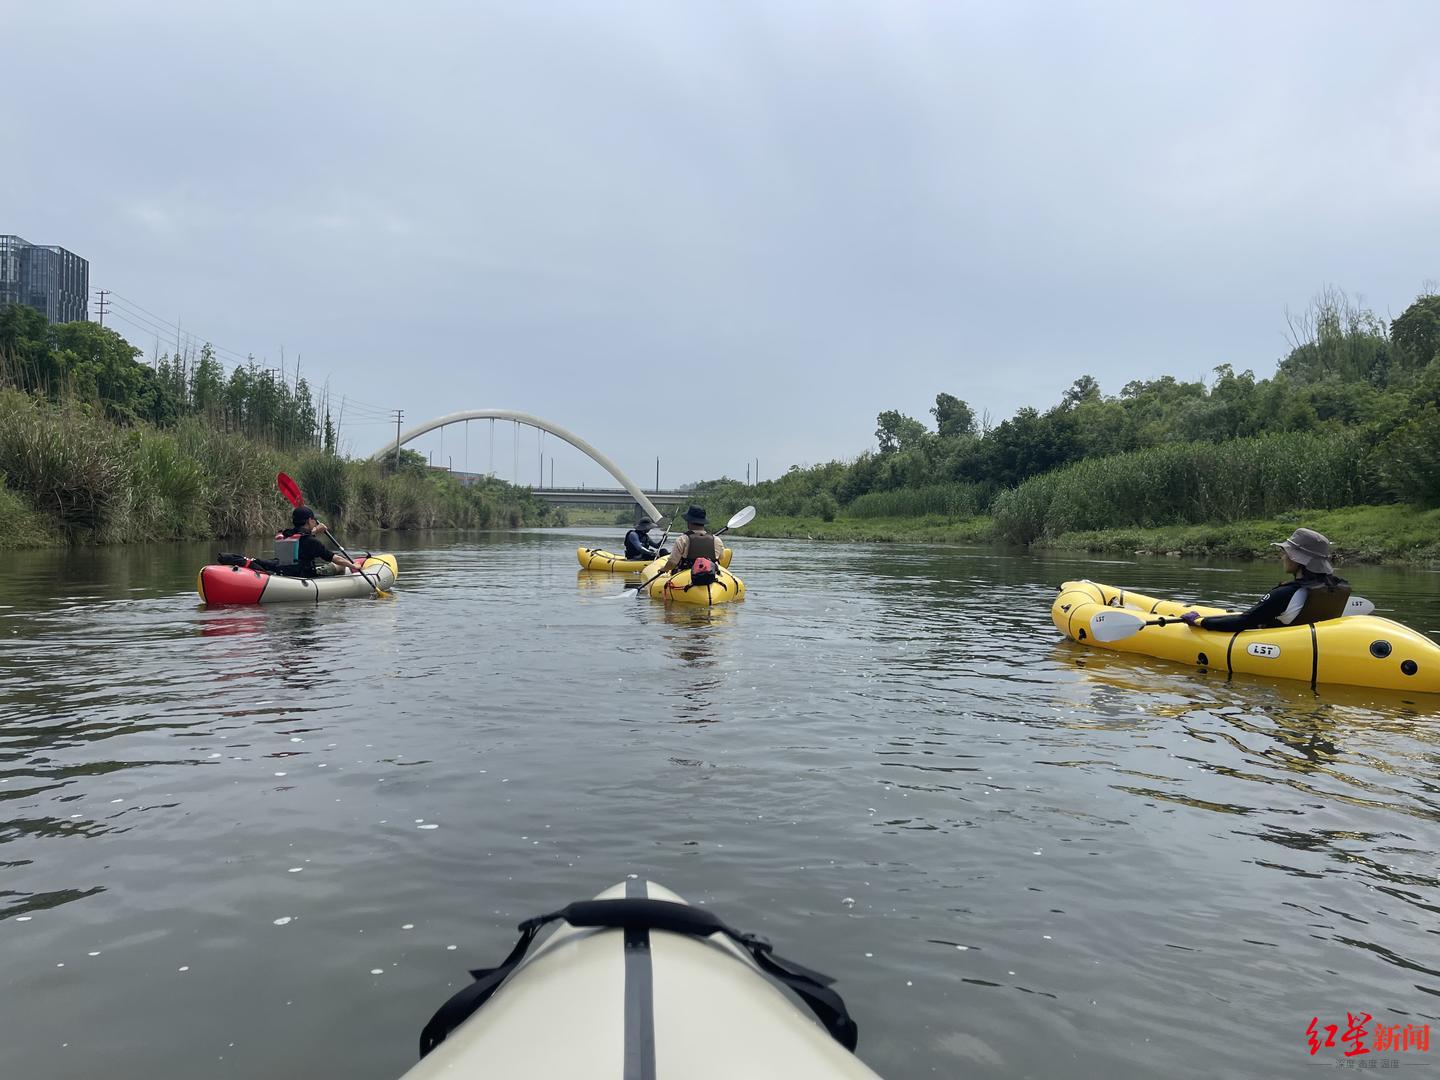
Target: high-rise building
53	281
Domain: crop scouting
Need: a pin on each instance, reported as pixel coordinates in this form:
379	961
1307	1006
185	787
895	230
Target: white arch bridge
629	491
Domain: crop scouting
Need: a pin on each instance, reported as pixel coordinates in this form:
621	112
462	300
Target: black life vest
1325	598
701	547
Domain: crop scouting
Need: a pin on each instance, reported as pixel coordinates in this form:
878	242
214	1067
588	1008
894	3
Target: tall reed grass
952	500
68	473
1192	483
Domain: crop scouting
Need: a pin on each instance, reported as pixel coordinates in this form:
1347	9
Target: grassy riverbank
70	476
1399	534
931	528
1361	534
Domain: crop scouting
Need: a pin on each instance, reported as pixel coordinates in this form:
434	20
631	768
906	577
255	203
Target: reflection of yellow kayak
1358	650
677	588
599	559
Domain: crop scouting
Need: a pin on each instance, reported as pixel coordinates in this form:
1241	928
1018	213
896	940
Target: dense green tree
953	417
1415	335
896	431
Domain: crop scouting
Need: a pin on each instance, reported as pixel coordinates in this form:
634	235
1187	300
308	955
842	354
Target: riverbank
70	476
1361	534
928	529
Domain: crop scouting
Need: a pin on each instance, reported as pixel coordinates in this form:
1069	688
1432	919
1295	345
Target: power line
162	327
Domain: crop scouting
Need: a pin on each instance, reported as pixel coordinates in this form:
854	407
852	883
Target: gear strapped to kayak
653	978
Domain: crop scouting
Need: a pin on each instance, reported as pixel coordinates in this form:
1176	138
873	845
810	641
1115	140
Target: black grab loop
636	914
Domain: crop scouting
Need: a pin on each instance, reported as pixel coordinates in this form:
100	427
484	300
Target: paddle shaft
1356	605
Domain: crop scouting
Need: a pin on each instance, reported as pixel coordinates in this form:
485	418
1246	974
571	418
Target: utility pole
657	472
399	415
100	307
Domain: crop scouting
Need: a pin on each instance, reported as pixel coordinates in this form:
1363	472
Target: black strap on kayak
811	986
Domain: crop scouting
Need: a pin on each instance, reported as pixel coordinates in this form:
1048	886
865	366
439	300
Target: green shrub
1192	483
1409	458
69	465
954	500
323	479
19	525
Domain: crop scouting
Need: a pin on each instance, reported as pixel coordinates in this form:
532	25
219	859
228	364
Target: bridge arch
410	434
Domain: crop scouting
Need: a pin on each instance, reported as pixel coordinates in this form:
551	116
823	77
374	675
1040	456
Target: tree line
84	362
1348	375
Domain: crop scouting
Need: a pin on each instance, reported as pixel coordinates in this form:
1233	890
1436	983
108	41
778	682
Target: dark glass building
53	281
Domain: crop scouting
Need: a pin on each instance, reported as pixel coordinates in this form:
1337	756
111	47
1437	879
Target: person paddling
308	550
694	545
638	544
1314	595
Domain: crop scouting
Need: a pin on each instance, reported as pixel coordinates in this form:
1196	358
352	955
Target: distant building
53	281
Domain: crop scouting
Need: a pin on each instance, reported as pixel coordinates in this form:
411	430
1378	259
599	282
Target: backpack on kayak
702	572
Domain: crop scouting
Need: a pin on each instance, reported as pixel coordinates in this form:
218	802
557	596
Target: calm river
269	842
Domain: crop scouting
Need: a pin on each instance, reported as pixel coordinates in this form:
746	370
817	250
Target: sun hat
1308	548
644	524
695	516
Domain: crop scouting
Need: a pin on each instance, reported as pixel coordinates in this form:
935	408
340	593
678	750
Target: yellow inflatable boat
1357	650
677	588
599	559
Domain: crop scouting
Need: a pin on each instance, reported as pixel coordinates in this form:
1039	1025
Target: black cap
301	515
695	516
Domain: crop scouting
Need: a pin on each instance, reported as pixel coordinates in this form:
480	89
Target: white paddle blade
1358	605
1112	624
743	517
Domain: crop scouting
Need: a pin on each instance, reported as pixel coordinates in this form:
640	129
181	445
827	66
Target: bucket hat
1308	548
695	516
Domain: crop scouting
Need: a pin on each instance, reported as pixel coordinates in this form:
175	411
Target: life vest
1325	598
702	555
704	546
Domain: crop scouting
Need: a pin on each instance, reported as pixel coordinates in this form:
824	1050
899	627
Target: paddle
291	491
742	517
1114	624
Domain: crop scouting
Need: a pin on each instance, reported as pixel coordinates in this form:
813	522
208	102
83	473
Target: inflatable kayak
599	559
638	984
218	584
1357	650
677	588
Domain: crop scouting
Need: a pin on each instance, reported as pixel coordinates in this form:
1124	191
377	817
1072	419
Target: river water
269	842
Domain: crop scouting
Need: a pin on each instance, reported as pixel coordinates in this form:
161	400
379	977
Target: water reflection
1011	852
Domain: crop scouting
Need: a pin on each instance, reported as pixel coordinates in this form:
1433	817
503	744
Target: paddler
311	550
1313	595
695	544
638	544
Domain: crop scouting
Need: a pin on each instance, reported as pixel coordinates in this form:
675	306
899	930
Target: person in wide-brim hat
1314	594
638	544
1307	548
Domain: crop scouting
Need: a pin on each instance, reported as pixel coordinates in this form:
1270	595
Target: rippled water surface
269	842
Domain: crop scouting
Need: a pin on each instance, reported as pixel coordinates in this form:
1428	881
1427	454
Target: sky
714	233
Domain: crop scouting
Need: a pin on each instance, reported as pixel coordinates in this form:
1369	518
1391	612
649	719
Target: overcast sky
721	231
